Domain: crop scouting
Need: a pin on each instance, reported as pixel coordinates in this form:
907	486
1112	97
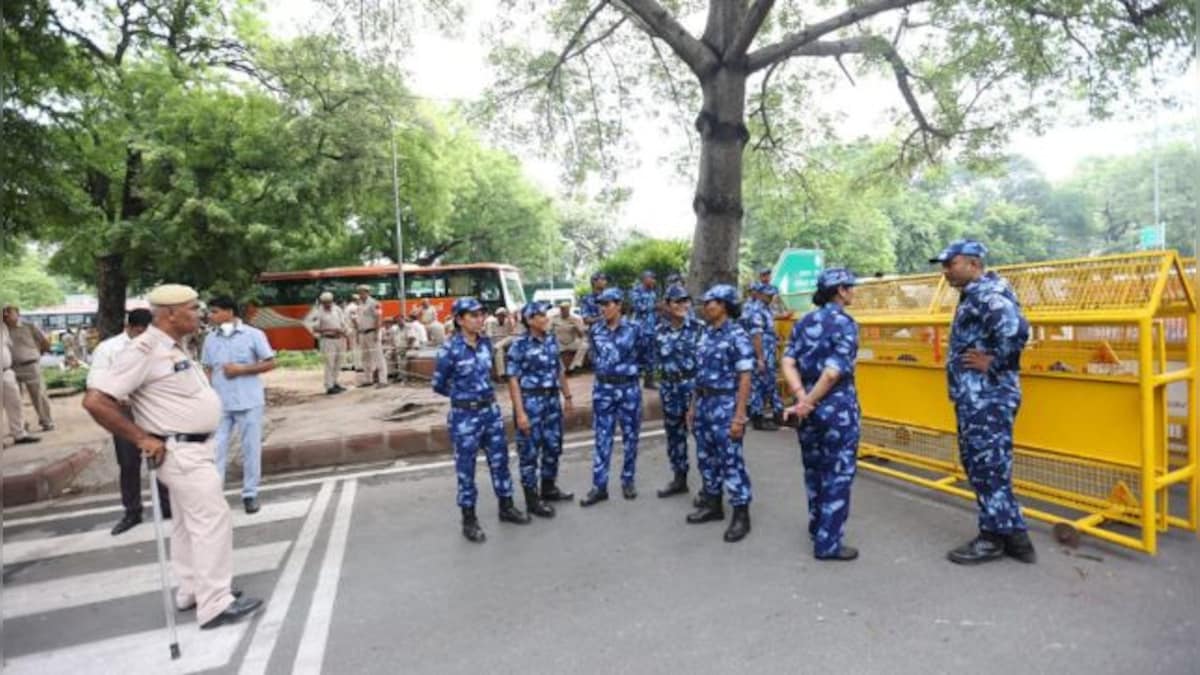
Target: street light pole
399	231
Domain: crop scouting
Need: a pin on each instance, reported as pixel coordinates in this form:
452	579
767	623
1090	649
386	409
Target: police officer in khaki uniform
368	322
28	346
327	323
175	412
571	336
10	394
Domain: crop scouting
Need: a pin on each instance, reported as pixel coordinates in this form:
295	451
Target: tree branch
565	54
749	28
659	23
792	44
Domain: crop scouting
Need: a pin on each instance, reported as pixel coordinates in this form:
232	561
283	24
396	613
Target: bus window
288	292
424	285
345	287
513	289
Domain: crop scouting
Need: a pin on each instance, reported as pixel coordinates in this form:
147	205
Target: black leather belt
678	377
25	363
184	438
617	379
708	391
478	404
366	331
540	391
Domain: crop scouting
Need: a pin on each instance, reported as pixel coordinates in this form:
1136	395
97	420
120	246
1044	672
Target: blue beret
610	295
677	293
534	308
767	289
598	276
648	274
464	305
835	277
961	247
722	292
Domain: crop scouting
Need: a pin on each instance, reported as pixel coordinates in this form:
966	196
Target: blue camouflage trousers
985	446
829	448
544	438
676	397
764	389
720	457
471	430
613	403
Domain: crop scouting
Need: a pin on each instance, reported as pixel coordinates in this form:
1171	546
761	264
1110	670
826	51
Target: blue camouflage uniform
828	338
766	383
464	374
722	354
754	322
675	358
535	365
620	356
589	305
644	303
988	318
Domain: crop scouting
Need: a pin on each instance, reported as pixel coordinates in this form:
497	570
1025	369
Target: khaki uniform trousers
202	528
580	347
372	357
10	393
30	379
397	361
331	349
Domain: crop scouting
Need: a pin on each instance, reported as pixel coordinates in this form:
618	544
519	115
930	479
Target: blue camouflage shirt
645	310
770	339
988	318
463	373
825	338
676	347
589	308
623	351
534	362
722	354
752	319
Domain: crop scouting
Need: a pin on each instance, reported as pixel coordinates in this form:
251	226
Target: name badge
181	366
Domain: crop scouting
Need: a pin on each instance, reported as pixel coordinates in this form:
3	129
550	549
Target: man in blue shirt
982	369
234	356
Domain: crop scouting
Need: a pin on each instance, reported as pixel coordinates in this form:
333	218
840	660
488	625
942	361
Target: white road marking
311	654
99	538
269	625
86	589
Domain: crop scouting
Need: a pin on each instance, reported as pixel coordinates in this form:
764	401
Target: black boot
535	506
1020	547
778	419
700	498
551	493
768	424
843	554
677	486
709	510
594	496
470	526
984	548
756	422
739	525
510	513
648	382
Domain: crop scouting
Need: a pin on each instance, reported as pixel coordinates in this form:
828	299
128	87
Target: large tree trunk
723	136
111	282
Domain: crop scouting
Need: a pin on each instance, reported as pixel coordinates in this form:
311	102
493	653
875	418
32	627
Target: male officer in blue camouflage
982	369
718	413
463	372
535	382
621	352
644	310
589	305
757	322
819	367
676	340
766	397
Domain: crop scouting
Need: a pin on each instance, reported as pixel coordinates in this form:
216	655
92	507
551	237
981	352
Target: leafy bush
56	378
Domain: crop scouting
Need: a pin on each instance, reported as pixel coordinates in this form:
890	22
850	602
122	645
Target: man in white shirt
129	457
416	334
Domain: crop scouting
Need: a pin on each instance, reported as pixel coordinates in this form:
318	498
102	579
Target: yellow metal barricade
1107	426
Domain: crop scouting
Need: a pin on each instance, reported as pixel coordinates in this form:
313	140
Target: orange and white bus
285	298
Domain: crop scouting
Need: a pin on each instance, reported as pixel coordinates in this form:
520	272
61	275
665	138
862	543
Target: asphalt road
365	572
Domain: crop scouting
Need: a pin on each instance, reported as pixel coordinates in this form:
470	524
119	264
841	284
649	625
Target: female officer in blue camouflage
535	381
676	339
718	413
621	352
819	367
757	324
644	308
463	372
766	400
982	367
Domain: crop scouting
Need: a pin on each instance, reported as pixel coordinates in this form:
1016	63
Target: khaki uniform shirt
566	329
166	388
26	344
429	315
321	321
369	314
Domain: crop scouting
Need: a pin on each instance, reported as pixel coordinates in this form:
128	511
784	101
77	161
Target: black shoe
768	424
710	510
984	548
337	389
238	609
511	514
677	486
1018	545
535	506
235	592
739	524
843	553
594	496
649	383
126	523
629	491
756	422
551	493
250	504
330	391
470	526
27	439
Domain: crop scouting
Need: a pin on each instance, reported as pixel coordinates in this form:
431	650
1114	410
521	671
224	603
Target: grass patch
56	378
299	360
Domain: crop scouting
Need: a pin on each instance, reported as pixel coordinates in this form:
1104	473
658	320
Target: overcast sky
449	68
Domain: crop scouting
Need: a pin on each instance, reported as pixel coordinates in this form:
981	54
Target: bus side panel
284	326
